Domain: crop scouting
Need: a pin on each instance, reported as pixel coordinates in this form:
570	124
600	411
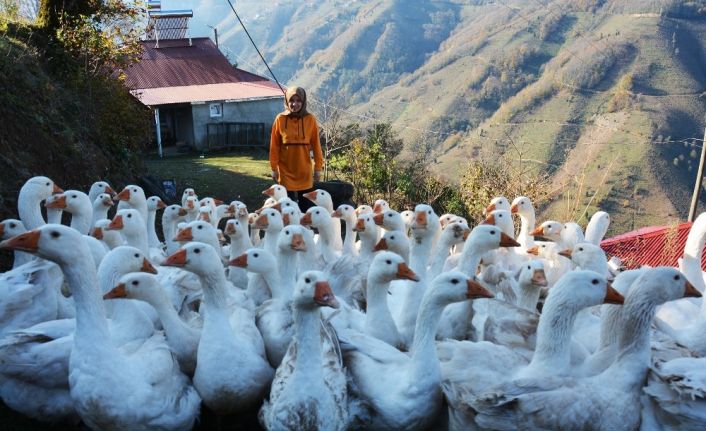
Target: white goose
154	203
597	227
149	390
132	226
54	213
270	220
32	193
183	338
172	215
311	363
110	238
608	401
347	214
101	204
98	188
403	391
191	205
239	243
276	192
320	218
232	373
8	229
134	197
322	198
523	207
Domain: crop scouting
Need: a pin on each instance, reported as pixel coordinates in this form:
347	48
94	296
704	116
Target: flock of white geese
386	320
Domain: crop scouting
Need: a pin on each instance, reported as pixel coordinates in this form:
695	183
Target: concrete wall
254	111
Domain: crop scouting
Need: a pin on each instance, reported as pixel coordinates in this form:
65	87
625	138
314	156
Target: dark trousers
298	197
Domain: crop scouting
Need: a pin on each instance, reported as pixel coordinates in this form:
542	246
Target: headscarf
291	91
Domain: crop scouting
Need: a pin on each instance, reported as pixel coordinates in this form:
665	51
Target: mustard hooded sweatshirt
294	135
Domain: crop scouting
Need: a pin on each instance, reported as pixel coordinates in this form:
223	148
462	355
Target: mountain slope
605	95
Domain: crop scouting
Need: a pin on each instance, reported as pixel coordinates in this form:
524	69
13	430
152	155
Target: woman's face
295	103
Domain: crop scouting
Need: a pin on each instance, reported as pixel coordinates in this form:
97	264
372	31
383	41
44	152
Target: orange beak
262	222
58	203
489	220
240	261
691	291
147	267
420	219
466	233
359	225
612	296
269	192
217	201
110	191
176	259
285	219
97	233
28	241
116	223
337	213
182	212
405	273
537	231
378	218
533	250
161	205
119	291
108	202
566	253
475	290
381	245
298	243
306	220
490	208
230	229
311	196
205	217
323	295
377	209
277	206
539	278
123	195
514	208
507	241
56	189
184	235
190	204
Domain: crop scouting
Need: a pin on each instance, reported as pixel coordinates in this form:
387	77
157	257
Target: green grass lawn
227	176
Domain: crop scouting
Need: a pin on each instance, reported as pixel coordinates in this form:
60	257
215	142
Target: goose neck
281	287
470	259
423	351
377	312
443	250
420	253
138	239
81	222
100	212
307	336
528	297
29	209
553	351
349	241
214	289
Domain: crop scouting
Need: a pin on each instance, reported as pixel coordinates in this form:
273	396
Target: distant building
200	100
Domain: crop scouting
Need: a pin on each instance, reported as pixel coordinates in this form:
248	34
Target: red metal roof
176	64
229	91
654	246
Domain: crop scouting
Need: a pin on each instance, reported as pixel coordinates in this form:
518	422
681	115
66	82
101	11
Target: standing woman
295	136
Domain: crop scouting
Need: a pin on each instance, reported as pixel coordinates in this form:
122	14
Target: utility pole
699	179
215	34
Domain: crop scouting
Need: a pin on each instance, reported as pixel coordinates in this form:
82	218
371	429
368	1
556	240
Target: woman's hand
317	176
275	176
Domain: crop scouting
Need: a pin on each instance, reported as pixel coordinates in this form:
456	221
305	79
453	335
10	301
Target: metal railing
229	135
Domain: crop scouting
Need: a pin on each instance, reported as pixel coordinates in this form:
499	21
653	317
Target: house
200	101
653	246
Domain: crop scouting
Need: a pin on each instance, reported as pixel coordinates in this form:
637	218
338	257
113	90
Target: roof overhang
195	94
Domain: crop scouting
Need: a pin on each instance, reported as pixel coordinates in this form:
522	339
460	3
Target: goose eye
135	283
13	225
529	267
676	277
48	184
454	281
317	213
197	250
73	196
388	261
137	255
594	281
492	232
129	216
389	215
307	280
255	255
429	212
580	248
392	237
286	232
55	234
200	227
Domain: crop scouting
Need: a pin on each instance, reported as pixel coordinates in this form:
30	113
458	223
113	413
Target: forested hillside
607	96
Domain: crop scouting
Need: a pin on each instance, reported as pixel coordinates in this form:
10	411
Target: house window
216	110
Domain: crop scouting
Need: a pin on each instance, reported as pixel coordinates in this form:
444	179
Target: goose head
425	219
363	209
100	187
571	234
320	198
484	238
455	286
196	257
235	230
270	219
659	285
72	201
365	227
387	266
546	250
291	216
501	219
269	203
532	274
211	202
380	206
60	244
120	261
128	221
522	206
448	218
255	260
138	285
200	231
316	217
346	213
597	227
101	232
154	203
454	233
191	204
498	203
292	238
276	191
206	214
389	220
39	188
238	208
103	201
11	227
407	218
174	213
133	195
313	290
188	192
549	229
394	241
580	289
286	203
587	256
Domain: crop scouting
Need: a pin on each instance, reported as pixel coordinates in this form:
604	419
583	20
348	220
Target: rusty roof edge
622	238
